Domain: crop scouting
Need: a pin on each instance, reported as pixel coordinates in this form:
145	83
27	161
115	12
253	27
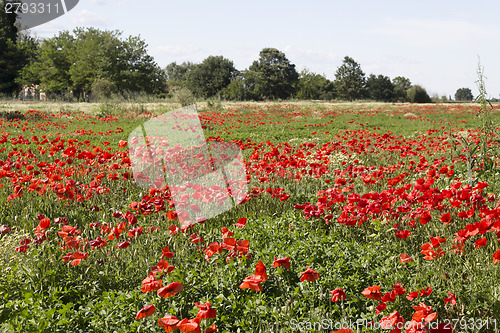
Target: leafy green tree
8	29
176	72
16	50
380	88
314	86
235	90
464	94
175	75
90	58
401	86
51	68
139	71
417	94
250	81
272	76
211	76
350	80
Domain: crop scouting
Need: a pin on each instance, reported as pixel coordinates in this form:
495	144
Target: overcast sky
434	43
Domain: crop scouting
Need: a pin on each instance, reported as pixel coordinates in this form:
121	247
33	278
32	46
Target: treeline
273	77
91	64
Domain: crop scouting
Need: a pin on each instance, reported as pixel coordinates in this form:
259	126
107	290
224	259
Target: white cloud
87	18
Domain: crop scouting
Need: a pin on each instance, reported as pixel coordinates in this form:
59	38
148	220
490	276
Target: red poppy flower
172	229
131	218
189	325
391	320
496	256
452	300
170	290
196	238
25	241
402	234
398	289
212	248
372	293
309	274
226	233
338	294
241	222
253	281
380	307
424	312
242	246
425	217
229	244
415	327
22	248
135	232
426	292
44	223
436	241
122	245
169	323
445	218
75	262
150	284
404	258
166	252
211	329
164	266
412	295
285	262
480	242
4	229
146	311
205	311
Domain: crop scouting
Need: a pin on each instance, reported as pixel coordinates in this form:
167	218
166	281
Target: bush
183	96
417	94
464	94
102	89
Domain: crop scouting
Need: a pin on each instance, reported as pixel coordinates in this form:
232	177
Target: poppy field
358	217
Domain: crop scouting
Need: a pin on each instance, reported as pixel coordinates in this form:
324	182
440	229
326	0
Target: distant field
390	209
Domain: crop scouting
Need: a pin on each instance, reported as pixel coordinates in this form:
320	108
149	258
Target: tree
417	94
16	50
314	86
464	94
380	88
272	76
90	58
51	68
236	90
175	72
211	76
401	86
176	75
350	80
